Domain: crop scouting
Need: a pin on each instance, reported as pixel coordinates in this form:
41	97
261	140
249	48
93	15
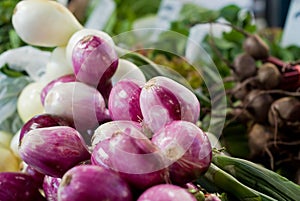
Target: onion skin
124	101
94	60
78	102
42	121
50	187
130	153
55	82
44	23
166	192
53	150
16	186
127	70
187	150
93	183
163	100
37	176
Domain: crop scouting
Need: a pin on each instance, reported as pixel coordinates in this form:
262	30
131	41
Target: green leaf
9	92
192	14
11	72
230	13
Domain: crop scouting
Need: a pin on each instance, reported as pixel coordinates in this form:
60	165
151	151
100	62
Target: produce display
97	121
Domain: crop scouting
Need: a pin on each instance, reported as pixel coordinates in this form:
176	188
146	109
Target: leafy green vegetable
10	89
127	12
8	39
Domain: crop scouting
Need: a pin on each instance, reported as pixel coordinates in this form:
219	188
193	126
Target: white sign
291	30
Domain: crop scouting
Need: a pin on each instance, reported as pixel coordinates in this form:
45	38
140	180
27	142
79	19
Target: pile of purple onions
102	140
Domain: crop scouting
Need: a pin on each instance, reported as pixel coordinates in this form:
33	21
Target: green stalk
258	178
231	185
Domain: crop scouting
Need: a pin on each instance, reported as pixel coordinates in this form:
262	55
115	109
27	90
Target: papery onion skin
124	101
53	150
166	192
187	150
93	183
163	100
16	186
129	152
50	187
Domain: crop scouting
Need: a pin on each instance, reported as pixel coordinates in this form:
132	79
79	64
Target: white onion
44	23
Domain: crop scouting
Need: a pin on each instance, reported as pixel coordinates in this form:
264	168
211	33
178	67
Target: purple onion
53	150
42	121
36	175
129	152
124	101
81	103
186	148
163	100
50	85
166	192
94	60
93	183
50	187
16	186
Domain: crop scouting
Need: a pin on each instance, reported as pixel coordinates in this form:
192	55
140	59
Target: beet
256	47
269	76
287	113
258	138
258	105
244	66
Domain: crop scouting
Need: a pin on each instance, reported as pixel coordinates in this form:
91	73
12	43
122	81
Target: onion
44	23
127	70
82	104
53	150
163	100
41	121
16	186
57	81
5	138
29	102
186	148
166	192
8	161
93	57
57	65
92	183
50	187
123	102
37	176
123	148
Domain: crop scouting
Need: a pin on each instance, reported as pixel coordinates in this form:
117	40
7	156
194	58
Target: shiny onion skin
94	60
93	183
42	121
57	81
124	101
122	147
50	187
187	150
53	150
163	100
166	192
17	186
